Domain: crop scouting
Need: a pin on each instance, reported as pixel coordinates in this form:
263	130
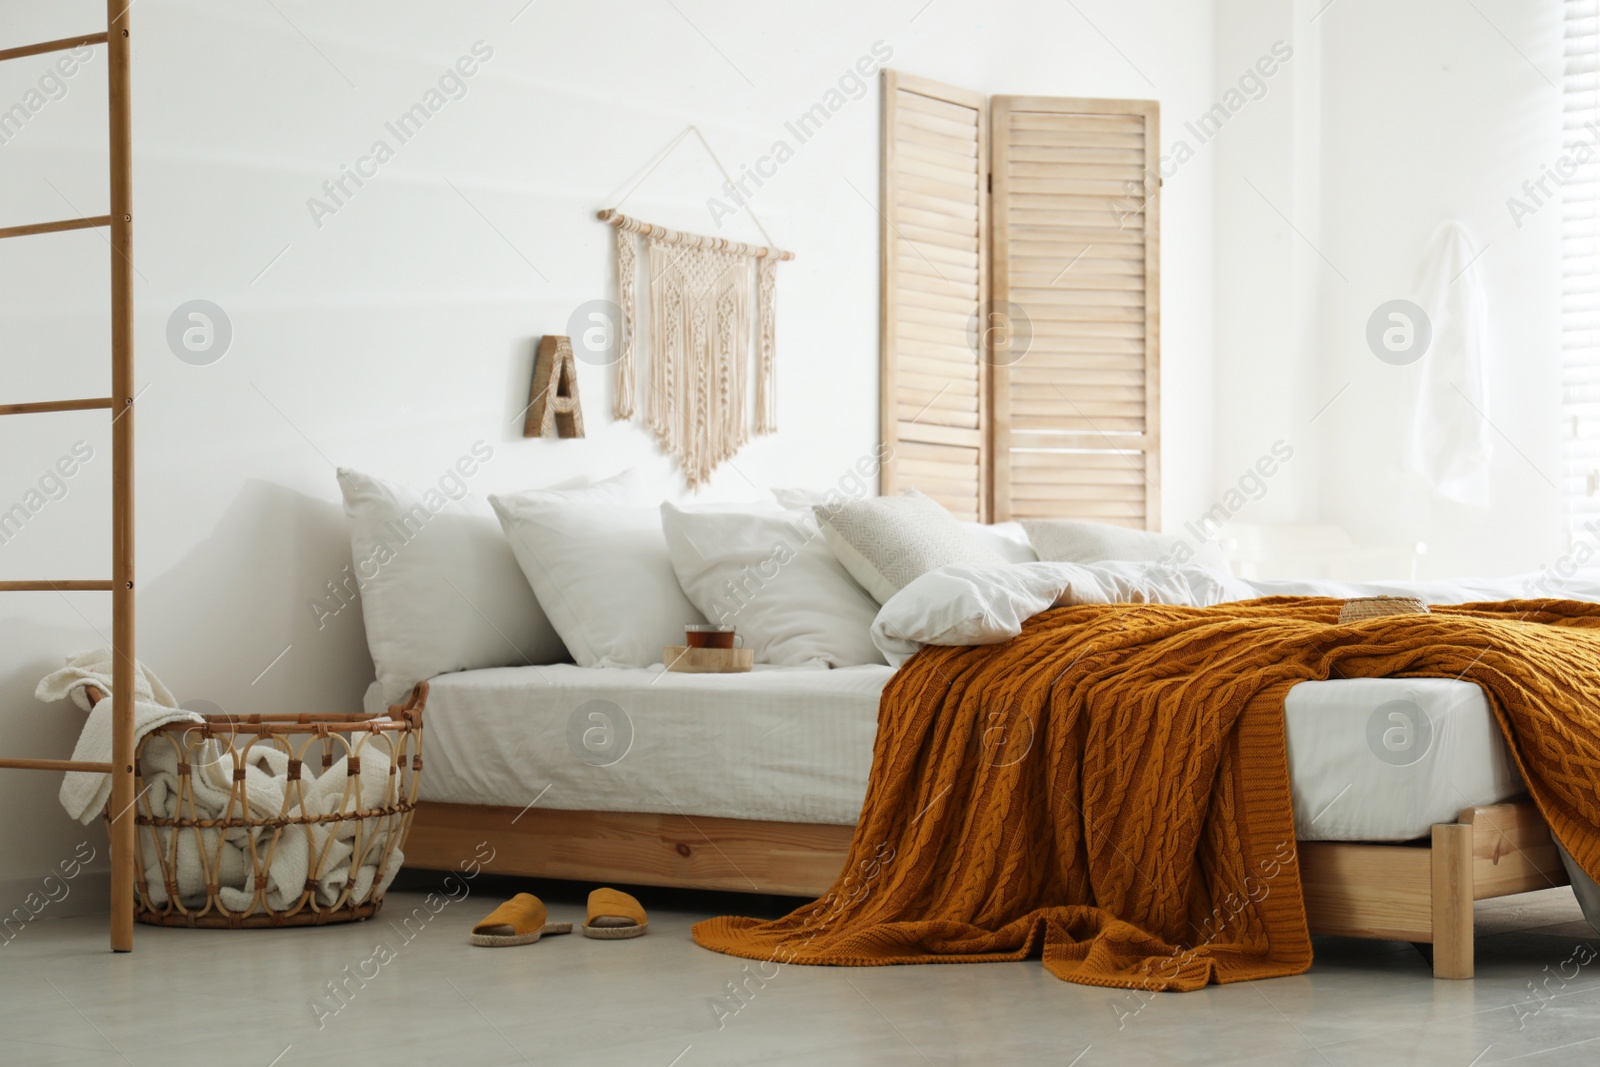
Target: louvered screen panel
1076	303
933	276
1580	269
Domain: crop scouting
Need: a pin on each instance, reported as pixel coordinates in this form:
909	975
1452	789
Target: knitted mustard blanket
1110	788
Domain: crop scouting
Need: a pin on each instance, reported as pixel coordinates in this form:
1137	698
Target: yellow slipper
519	921
614	915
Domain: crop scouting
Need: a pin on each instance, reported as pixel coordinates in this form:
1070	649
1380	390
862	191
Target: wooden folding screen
1063	329
934	274
1076	251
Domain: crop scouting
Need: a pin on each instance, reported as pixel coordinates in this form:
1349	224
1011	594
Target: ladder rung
53	227
87	404
54	765
50	587
51	46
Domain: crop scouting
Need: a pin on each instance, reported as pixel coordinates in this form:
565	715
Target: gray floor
245	998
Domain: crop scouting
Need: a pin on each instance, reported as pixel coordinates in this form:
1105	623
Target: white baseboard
87	894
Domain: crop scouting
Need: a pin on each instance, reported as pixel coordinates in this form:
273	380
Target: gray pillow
887	542
1079	541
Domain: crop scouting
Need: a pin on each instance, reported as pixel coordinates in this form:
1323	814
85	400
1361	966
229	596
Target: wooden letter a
555	391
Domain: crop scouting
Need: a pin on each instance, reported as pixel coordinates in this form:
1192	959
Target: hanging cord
661	157
766	258
662	235
650	167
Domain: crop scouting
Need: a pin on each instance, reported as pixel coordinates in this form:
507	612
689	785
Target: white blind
1580	263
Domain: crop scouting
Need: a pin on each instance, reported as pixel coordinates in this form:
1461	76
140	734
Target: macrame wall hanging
704	295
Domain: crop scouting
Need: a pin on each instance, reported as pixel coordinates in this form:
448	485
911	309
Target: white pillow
966	606
1080	541
798	497
440	589
766	570
598	562
887	541
1008	540
809	498
984	605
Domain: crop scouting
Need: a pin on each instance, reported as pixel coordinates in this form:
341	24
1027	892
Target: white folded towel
95	668
347	852
1451	439
84	794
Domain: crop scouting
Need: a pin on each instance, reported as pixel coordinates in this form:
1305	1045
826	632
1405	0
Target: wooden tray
684	660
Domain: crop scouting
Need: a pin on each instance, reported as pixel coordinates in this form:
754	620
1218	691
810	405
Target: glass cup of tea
710	635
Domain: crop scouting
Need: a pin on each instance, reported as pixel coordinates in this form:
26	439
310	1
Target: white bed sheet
785	744
795	745
1383	759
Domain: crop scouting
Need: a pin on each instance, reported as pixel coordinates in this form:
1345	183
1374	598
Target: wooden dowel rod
54	765
53	227
51	46
123	665
275	721
87	404
678	237
46	586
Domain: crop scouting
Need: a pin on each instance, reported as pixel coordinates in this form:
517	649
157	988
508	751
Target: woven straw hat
1372	607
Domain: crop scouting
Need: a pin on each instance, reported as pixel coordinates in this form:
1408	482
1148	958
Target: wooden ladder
120	403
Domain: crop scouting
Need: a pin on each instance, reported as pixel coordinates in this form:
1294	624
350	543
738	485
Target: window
1580	265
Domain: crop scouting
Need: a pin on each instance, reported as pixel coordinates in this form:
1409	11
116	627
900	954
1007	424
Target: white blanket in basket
224	857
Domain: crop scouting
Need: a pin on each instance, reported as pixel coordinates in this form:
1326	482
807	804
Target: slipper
519	921
614	915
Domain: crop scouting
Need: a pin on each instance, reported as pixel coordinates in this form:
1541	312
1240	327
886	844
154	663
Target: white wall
1267	276
1442	113
1404	116
401	331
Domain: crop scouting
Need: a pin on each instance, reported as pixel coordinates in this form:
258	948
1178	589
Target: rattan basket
1372	607
348	834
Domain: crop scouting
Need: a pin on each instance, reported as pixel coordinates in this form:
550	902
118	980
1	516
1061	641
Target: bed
753	783
606	771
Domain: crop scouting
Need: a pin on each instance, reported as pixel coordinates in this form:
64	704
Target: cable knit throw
1110	789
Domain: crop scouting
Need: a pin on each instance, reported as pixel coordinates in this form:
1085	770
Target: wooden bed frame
1420	891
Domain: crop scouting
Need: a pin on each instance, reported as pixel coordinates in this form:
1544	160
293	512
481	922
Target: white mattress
795	745
786	744
1383	759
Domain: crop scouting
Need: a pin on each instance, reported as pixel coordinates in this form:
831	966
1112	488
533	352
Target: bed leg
1452	900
